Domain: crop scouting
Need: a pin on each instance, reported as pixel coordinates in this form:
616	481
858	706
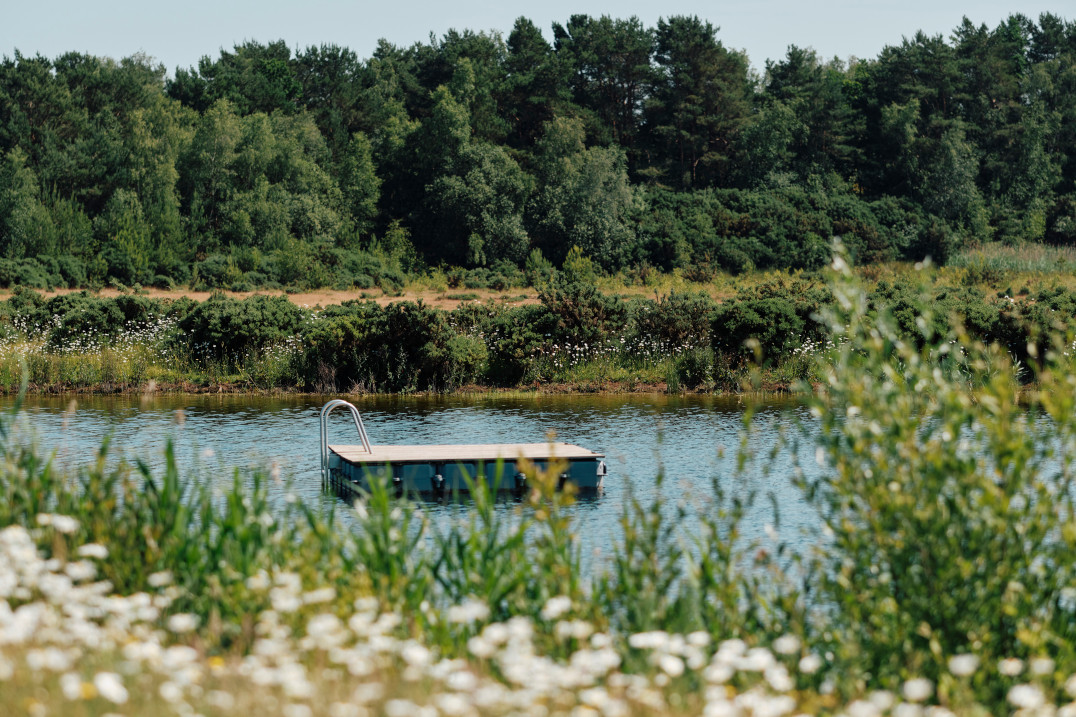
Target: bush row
362	346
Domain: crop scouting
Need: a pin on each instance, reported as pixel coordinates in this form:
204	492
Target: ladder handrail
325	411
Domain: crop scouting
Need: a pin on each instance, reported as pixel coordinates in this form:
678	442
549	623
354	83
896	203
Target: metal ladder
325	411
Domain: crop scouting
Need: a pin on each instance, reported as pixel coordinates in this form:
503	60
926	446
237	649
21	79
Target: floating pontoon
446	468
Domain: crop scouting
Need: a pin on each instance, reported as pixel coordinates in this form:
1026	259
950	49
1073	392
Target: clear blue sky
179	33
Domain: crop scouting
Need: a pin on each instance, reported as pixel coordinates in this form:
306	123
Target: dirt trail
449	299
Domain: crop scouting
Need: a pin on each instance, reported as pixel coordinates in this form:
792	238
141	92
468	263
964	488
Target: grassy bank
944	584
759	333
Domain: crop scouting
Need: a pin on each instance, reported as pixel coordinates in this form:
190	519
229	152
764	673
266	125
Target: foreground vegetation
944	582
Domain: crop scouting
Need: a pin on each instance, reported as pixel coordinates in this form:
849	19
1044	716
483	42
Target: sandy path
449	299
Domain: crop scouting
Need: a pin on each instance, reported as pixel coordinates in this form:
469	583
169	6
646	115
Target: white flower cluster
64	631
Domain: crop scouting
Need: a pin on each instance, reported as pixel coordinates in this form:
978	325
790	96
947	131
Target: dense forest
633	146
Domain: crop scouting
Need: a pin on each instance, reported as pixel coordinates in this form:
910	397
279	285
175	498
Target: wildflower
810	664
862	708
1041	666
786	645
778	678
718	673
81	570
496	633
453	705
470	610
1070	686
297	710
71	686
400	708
110	687
757	659
699	638
938	711
343	709
576	629
416	654
1027	697
653	640
258	582
93	550
182	622
170	692
461	681
50	658
161	579
222	700
963	665
882	699
555	607
671	665
324	631
60	523
481	647
917	689
319	596
1011	667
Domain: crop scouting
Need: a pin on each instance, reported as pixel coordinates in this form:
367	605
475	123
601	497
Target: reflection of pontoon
446	468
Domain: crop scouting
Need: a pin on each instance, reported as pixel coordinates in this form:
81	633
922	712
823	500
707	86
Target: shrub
514	338
538	269
401	347
679	320
223	326
579	268
583	314
27	272
695	368
81	319
217	271
340	347
773	322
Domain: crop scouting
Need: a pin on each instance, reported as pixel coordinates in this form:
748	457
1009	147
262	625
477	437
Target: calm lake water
693	440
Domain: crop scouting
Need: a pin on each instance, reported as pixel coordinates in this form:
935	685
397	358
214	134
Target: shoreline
607	388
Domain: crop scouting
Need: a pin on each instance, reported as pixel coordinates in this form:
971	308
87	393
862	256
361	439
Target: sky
177	34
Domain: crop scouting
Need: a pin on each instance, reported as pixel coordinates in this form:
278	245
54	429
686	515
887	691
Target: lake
692	439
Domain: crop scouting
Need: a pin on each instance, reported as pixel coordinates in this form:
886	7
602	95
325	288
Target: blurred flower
917	689
963	665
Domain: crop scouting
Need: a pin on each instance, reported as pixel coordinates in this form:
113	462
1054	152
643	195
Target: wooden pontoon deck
486	452
441	468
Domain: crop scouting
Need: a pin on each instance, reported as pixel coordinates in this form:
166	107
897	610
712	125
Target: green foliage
222	326
584	200
641	146
537	269
579	268
700	98
401	347
584	316
772	322
695	368
951	532
679	319
514	337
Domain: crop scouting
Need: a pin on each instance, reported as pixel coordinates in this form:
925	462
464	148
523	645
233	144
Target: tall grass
946	581
986	262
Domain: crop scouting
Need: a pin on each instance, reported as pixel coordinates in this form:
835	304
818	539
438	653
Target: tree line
635	146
